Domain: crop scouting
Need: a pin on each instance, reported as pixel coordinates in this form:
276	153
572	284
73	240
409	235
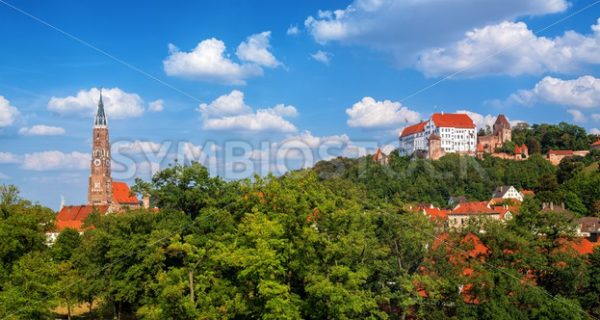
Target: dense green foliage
333	242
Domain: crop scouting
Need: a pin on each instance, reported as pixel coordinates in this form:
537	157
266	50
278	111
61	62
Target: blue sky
344	73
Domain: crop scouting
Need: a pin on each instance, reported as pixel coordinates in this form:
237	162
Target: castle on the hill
455	133
104	194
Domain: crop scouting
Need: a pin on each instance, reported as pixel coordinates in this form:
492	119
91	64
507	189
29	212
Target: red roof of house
480	147
473	207
584	246
419	127
455	120
528	192
436	213
597	143
561	152
74	216
378	155
121	193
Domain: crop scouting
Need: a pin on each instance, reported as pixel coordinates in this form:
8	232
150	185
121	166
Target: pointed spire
100	115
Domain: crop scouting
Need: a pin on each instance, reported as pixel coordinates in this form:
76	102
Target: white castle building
455	132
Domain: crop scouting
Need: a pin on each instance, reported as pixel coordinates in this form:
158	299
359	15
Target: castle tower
435	147
100	182
502	129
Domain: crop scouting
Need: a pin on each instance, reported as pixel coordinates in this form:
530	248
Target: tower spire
100	115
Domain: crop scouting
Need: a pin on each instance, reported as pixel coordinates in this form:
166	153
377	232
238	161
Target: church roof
100	119
453	120
122	195
74	216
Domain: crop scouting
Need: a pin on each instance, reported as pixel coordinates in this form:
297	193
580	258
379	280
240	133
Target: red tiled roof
561	152
473	207
419	127
597	143
584	246
74	216
480	147
455	120
518	149
121	193
378	155
527	192
436	213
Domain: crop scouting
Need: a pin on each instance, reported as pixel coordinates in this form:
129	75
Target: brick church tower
100	183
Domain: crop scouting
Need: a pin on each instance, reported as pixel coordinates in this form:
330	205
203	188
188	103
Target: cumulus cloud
41	130
481	121
8	157
595	131
230	112
369	113
156	106
118	104
390	25
209	61
56	160
583	92
322	56
8	113
510	48
292	31
578	116
256	49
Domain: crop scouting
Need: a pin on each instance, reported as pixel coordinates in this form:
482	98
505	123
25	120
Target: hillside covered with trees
337	241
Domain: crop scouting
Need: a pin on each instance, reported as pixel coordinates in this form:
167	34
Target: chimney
146	201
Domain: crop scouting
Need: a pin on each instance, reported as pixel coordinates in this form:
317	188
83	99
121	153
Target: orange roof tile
584	246
74	216
455	120
480	147
378	155
419	127
436	213
473	207
121	193
597	143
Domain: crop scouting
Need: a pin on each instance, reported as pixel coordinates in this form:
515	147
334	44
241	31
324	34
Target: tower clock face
97	162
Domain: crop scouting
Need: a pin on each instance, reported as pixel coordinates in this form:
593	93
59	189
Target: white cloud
209	62
480	120
156	106
56	160
510	48
42	130
596	116
256	49
369	113
8	113
404	28
117	103
583	92
230	112
226	105
322	56
8	157
595	131
292	31
578	116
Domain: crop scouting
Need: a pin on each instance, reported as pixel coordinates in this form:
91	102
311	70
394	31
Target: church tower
100	182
